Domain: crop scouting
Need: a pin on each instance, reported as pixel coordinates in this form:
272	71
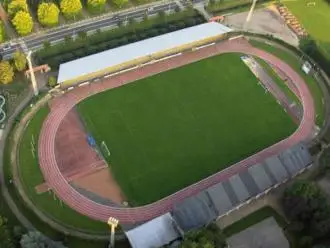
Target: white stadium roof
116	56
155	233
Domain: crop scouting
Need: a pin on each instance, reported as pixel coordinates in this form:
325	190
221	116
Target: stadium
142	128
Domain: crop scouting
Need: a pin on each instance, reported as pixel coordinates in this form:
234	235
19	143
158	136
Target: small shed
155	233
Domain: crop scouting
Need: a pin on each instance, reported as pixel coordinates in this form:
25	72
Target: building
128	56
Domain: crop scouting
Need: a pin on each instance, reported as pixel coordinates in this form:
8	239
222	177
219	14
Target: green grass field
173	129
315	19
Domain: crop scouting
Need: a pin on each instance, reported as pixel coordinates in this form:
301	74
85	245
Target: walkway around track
64	104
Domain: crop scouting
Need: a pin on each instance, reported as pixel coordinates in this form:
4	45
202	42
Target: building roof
116	56
155	233
217	200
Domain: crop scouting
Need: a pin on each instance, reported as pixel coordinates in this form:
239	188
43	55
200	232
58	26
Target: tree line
307	208
48	12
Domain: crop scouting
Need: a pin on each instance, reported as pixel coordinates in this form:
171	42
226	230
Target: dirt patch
81	164
101	183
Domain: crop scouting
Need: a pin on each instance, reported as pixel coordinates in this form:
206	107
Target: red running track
65	103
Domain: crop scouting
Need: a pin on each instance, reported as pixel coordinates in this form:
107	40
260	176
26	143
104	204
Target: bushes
52	81
210	236
308	209
101	41
6	72
19	60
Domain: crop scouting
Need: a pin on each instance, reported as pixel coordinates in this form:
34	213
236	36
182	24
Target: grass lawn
296	65
173	129
31	176
315	19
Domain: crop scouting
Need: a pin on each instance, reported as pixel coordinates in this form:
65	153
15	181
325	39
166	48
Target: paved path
4	190
101	212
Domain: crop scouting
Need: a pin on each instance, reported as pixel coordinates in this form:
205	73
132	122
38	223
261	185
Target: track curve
97	211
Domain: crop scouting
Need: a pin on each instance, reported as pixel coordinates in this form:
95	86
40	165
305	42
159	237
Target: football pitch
315	18
173	129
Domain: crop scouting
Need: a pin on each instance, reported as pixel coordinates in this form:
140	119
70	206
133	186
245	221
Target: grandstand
124	57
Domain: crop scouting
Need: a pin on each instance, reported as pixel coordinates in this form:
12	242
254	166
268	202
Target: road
35	41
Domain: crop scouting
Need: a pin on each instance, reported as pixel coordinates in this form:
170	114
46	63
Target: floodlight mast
249	16
32	76
113	223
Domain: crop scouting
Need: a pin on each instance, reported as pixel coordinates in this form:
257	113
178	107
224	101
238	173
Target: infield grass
173	129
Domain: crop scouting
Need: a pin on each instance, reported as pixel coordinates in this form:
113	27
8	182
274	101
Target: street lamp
33	78
248	18
113	223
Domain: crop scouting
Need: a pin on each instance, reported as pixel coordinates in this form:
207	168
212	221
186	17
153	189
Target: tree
37	240
209	237
71	8
96	5
68	39
19	60
52	81
308	45
6	240
120	3
46	44
23	23
6	72
17	5
48	14
306	205
2	32
82	35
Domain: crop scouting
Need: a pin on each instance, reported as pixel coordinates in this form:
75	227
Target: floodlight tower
113	223
249	16
32	76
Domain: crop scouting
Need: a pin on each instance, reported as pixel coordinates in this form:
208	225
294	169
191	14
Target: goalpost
105	148
33	149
